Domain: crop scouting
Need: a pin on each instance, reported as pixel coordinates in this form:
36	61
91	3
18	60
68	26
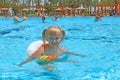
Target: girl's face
54	40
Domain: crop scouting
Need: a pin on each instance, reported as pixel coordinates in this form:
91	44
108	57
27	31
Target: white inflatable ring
34	46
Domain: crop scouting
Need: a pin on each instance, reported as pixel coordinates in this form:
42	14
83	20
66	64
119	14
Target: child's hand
81	55
20	65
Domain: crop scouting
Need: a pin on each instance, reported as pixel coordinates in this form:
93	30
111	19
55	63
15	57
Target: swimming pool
100	41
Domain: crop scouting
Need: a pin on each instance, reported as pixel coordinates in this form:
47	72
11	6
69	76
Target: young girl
50	49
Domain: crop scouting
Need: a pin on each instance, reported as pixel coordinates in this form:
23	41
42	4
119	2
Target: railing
5	8
99	8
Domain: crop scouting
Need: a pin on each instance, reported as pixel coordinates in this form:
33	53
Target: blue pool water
100	41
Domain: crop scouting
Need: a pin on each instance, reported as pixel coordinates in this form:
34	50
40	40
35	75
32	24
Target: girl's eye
51	38
56	38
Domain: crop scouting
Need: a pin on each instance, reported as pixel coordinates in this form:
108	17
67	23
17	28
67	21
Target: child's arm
72	53
17	19
34	55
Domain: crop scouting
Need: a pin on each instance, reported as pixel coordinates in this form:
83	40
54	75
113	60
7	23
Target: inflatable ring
34	46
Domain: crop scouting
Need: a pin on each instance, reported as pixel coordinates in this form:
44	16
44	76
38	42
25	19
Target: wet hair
52	30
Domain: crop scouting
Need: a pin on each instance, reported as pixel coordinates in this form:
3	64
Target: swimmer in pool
16	18
97	18
50	49
56	18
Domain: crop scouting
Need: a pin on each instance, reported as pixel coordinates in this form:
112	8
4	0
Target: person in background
98	18
43	18
16	16
17	19
56	18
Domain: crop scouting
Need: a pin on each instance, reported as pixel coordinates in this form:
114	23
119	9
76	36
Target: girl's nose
54	39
